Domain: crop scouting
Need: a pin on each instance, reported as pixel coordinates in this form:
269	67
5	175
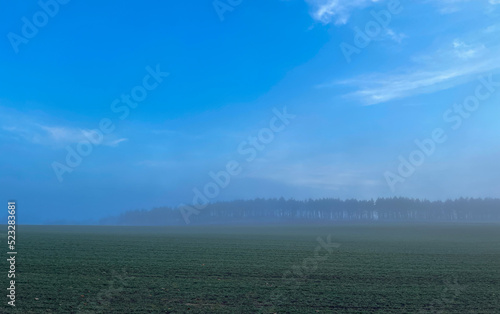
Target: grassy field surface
373	269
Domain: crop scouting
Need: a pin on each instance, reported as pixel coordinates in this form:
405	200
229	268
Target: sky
116	106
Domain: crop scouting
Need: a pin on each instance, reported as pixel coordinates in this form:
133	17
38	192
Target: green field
376	269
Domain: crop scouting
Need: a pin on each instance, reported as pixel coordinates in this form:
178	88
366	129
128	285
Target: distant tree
325	210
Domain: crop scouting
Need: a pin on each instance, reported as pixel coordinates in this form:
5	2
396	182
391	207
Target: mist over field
322	211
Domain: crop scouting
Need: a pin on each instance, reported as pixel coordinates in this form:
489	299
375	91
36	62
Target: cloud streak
452	6
66	135
457	63
25	127
337	11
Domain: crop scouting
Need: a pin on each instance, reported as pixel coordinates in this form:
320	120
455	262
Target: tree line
326	210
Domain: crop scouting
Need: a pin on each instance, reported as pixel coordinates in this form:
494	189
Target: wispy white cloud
68	135
20	126
394	36
62	134
337	11
495	28
114	143
452	6
456	63
465	51
381	88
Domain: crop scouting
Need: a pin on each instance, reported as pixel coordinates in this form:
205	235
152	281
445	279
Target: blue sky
229	64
